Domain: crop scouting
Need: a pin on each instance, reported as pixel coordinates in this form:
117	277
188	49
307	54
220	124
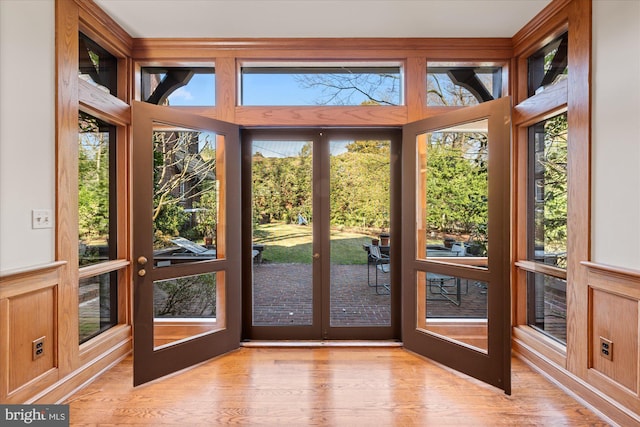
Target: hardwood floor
332	386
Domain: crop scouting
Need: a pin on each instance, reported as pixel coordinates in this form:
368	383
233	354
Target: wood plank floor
324	386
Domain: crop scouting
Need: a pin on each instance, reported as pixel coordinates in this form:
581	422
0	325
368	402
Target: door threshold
321	343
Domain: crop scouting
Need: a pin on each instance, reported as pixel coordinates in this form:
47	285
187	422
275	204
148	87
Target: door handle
142	272
142	260
316	256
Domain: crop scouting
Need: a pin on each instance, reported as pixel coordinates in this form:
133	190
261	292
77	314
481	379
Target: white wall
27	155
616	133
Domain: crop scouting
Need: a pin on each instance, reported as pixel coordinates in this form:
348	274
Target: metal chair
381	262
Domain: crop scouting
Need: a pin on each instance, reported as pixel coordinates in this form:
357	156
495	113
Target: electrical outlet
41	218
606	348
37	347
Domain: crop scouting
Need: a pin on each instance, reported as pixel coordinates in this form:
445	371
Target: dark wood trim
151	363
320	329
494	369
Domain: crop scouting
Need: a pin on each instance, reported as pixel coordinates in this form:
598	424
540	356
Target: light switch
41	218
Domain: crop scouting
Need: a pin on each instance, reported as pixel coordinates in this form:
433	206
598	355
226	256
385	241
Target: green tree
93	180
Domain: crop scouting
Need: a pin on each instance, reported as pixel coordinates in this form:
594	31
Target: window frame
99	104
570	95
288	67
73	95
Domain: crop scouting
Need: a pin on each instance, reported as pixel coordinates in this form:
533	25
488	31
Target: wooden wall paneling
616	285
67	14
81	376
579	188
606	311
31	316
28	310
575	386
4	344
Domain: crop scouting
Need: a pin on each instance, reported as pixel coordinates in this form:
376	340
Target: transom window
179	86
97	66
456	85
548	65
321	84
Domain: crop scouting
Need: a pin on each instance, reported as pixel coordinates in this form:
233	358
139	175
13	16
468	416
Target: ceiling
321	18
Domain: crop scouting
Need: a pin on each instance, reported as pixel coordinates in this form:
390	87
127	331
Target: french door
313	203
186	240
455	233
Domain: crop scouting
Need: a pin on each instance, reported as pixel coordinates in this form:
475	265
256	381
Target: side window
547	226
98	205
545	151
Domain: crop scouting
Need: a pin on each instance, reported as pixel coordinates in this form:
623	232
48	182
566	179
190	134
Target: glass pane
322	85
548	191
282	233
548	305
549	65
98	304
453	192
179	86
185	195
96	230
97	66
450	84
186	306
360	214
453	307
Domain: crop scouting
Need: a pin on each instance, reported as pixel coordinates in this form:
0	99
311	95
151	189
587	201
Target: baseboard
62	389
607	408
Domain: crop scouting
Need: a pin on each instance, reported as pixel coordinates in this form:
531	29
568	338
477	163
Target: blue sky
268	89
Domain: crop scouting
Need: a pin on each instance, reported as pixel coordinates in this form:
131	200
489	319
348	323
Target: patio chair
381	263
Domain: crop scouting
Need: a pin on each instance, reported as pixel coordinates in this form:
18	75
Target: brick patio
282	296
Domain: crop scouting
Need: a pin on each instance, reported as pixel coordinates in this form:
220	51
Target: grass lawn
291	243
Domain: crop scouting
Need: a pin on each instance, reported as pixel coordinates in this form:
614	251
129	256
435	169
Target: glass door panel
452	227
283	232
360	216
453	189
186	195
